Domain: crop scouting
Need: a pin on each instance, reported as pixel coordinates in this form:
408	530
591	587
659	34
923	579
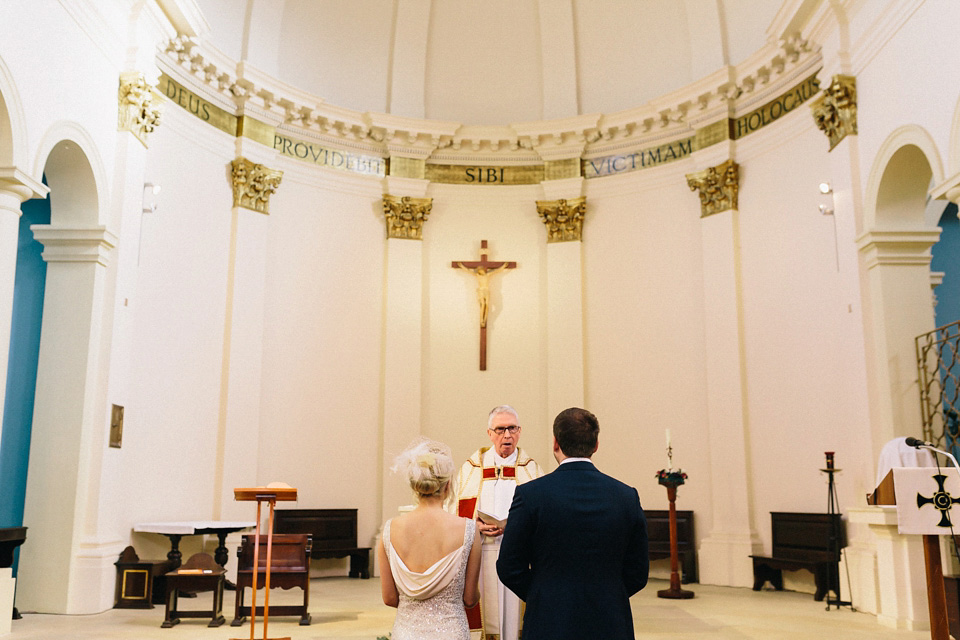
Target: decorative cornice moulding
250	91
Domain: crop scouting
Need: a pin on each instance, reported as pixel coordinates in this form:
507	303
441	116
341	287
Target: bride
429	559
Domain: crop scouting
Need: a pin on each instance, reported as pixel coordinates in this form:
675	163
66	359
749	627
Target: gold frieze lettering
773	110
192	103
835	112
718	187
484	175
652	157
405	216
139	111
563	218
330	158
253	184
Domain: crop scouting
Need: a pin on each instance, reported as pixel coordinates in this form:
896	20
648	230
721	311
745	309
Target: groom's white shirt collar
566	460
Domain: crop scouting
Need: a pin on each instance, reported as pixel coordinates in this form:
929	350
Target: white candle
669	459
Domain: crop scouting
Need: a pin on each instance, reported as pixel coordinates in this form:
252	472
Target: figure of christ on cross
483	269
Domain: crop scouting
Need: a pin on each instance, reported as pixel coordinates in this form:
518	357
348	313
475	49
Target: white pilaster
403	338
242	365
724	553
564	285
55	575
15	188
896	276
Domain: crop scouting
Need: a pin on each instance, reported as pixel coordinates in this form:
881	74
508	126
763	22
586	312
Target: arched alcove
12	136
67	434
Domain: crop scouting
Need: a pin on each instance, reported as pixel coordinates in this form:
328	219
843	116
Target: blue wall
22	366
946	258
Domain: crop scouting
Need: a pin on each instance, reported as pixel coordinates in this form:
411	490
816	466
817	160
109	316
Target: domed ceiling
493	62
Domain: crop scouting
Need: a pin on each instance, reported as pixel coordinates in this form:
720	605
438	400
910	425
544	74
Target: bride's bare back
424	536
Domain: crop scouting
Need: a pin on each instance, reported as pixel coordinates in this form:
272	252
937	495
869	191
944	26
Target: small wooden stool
200	573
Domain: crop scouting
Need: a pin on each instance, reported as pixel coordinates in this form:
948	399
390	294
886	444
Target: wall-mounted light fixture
150	191
826	190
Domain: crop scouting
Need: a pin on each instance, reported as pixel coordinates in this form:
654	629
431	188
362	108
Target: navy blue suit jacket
575	549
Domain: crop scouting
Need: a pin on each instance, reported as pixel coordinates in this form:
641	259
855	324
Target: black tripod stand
836	537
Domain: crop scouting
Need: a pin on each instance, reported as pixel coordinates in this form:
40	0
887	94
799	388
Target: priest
484	491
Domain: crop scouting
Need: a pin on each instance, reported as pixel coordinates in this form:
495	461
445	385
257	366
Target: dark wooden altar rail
334	535
809	541
658	533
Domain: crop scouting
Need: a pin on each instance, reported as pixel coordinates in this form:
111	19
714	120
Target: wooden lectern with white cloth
924	497
271	495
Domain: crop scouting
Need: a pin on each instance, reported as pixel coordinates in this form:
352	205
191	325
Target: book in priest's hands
486	518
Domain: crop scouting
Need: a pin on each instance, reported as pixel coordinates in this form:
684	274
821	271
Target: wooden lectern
270	495
885	494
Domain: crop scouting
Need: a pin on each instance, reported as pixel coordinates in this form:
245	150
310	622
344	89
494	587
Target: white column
15	188
403	339
896	266
55	575
724	553
564	285
242	365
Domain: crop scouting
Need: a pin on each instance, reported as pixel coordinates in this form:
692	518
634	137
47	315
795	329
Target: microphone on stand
917	443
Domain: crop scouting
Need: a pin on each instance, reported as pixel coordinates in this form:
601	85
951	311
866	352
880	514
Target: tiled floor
343	608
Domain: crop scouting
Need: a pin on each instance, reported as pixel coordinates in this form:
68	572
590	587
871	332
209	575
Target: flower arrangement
671	477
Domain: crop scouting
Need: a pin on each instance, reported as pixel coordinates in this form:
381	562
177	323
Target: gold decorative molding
835	112
138	106
253	184
563	218
406	215
718	187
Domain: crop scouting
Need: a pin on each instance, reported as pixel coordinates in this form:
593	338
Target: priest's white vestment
486	482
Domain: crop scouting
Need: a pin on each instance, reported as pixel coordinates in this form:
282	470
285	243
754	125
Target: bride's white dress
431	603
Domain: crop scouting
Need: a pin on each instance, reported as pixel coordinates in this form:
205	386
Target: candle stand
671	480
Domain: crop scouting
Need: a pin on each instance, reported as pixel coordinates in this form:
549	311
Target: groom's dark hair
576	432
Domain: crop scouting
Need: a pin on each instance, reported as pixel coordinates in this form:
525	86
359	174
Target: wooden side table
200	573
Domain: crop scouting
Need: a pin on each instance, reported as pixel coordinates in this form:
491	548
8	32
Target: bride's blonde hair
428	465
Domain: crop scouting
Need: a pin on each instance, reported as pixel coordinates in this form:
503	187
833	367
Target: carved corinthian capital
718	187
835	112
405	216
139	109
253	184
563	218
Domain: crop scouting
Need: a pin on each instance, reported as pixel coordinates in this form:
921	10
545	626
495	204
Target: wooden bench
289	568
334	534
658	533
809	541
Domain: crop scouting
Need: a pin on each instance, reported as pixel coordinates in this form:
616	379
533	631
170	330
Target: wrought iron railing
938	365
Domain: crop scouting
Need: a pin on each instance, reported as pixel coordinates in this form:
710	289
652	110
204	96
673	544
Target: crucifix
483	269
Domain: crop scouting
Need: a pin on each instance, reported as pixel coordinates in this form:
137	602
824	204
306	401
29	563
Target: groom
576	548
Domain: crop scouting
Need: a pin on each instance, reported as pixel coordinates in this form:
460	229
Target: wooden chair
290	568
200	573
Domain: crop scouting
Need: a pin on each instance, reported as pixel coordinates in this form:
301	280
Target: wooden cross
483	269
